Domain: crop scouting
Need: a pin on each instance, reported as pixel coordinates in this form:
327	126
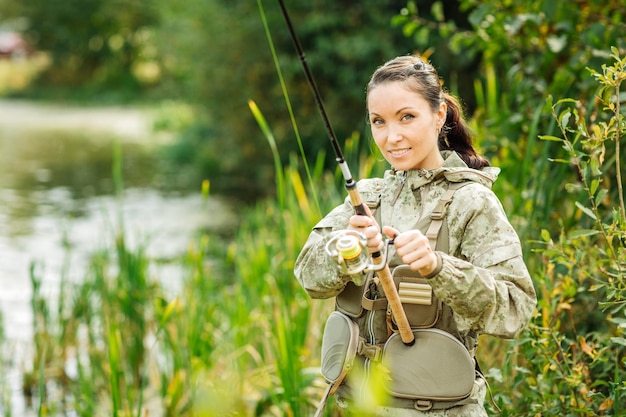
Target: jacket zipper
400	187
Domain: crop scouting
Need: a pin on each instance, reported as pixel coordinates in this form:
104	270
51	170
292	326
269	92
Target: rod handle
355	199
389	287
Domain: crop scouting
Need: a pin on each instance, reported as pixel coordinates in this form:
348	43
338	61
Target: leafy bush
516	53
574	354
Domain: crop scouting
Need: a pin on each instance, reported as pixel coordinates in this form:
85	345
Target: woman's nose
393	134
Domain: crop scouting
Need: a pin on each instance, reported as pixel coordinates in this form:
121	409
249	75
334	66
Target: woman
479	277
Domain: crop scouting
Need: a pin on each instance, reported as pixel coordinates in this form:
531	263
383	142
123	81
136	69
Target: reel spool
348	249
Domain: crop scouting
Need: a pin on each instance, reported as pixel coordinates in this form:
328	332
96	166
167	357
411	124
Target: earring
441	133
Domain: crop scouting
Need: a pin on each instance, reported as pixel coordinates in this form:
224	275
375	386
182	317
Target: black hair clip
419	66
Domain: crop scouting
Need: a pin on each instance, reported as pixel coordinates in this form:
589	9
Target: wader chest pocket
339	347
349	302
421	306
436	368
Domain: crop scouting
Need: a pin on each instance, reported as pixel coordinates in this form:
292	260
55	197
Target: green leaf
409	28
566	100
564	118
563	161
576	234
265	128
594	165
545	235
437	11
421	36
412	8
586	210
594	186
621	323
399	20
549	137
597	132
619	340
600	196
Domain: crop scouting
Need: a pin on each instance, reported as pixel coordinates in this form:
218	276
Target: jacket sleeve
486	282
313	269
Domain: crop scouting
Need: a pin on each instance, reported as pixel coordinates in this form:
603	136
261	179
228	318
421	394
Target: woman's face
404	126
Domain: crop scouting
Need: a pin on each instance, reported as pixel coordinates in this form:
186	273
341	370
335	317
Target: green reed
240	338
260	119
97	327
5	389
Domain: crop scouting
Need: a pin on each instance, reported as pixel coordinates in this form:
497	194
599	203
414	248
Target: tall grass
242	338
5	389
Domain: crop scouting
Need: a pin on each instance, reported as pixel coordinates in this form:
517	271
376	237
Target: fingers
374	239
368	211
370	230
414	249
411	246
390	232
360	222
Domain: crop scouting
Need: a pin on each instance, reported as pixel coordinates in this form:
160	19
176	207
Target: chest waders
438	370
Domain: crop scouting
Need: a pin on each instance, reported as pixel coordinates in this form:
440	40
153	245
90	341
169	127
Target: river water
57	206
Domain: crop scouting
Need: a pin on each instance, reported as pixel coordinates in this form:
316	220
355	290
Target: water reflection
76	165
57	205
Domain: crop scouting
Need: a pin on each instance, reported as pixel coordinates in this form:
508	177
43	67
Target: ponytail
457	136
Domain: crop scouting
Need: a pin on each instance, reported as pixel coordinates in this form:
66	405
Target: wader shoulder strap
439	213
437	216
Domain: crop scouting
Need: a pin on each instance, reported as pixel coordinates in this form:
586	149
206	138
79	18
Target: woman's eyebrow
405	109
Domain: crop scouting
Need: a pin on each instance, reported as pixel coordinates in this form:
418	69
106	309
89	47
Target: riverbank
55	160
130	123
58	208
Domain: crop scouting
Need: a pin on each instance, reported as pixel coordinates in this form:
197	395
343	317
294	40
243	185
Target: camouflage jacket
483	278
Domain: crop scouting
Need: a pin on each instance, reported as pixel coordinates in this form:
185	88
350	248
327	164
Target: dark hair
422	78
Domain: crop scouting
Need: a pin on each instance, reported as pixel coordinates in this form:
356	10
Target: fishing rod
384	274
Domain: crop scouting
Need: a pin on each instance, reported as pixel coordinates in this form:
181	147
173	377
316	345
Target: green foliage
245	321
100	327
235	339
573	358
90	43
251	322
516	53
221	66
502	58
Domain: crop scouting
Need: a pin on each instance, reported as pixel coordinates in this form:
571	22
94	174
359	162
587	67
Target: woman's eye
407	117
377	121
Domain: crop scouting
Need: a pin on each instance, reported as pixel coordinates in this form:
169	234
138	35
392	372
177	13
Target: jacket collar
454	169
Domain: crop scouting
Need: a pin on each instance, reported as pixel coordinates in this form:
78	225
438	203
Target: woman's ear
442	114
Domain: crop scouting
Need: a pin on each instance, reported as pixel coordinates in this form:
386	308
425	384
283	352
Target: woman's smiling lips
396	153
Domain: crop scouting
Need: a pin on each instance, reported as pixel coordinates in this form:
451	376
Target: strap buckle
370	351
423	405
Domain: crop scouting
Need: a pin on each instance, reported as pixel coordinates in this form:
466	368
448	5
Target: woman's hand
414	249
368	226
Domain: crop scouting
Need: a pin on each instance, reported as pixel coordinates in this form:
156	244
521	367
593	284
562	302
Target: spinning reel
348	248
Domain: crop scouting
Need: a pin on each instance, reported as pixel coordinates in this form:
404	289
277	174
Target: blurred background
134	178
